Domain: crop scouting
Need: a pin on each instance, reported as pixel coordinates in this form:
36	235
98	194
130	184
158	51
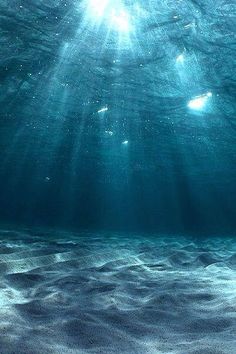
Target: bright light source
120	20
180	59
199	102
111	12
109	132
103	109
126	142
98	7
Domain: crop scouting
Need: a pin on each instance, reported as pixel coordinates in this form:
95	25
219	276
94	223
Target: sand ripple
110	293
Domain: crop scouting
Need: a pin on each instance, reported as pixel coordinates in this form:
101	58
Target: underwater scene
117	177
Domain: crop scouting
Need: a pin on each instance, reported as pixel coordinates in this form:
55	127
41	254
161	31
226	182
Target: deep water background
146	163
117	176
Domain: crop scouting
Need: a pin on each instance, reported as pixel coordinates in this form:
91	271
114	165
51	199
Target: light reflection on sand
110	293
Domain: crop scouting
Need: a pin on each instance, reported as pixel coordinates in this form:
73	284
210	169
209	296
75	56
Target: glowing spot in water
125	142
180	59
120	20
109	132
103	109
98	7
111	12
199	102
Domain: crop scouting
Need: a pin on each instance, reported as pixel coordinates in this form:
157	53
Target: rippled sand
109	293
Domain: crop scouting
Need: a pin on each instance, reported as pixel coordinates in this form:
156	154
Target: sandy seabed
108	293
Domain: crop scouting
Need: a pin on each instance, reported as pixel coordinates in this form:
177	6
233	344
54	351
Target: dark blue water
117	176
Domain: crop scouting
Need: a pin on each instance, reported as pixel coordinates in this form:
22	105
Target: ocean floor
112	293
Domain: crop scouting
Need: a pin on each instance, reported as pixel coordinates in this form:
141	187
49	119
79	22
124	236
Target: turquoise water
119	115
117	176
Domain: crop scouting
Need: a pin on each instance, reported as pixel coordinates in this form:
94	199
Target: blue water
117	176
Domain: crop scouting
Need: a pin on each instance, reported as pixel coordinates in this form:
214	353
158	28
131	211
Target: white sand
111	293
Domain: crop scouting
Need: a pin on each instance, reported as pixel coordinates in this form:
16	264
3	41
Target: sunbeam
117	177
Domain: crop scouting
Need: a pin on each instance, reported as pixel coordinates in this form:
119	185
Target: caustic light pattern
117	115
113	293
